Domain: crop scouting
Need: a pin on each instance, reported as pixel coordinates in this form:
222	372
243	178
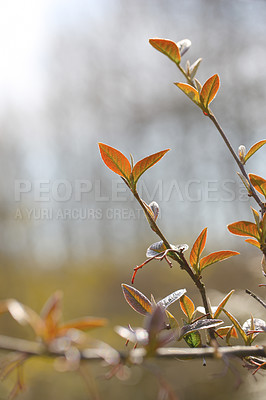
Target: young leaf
194	68
155	249
254	324
259	183
237	325
244	228
115	160
171	298
183	46
190	91
193	339
197	249
228	331
254	242
136	299
245	181
146	163
187	306
209	90
215	257
254	148
222	304
256	216
167	47
82	324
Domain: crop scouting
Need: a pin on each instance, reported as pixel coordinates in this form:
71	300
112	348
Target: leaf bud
242	153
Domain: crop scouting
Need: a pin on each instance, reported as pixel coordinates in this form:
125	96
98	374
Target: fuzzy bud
242	153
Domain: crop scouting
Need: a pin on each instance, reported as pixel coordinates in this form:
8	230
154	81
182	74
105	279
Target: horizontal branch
93	354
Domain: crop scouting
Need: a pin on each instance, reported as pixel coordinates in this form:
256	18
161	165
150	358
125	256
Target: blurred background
73	73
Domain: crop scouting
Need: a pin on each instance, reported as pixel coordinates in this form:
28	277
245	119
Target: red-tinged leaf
209	90
187	306
237	325
229	331
136	300
254	242
259	183
167	47
190	91
244	228
216	257
198	248
222	304
146	163
82	324
115	160
254	148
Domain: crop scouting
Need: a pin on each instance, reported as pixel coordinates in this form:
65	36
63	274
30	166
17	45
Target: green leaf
187	306
137	300
254	148
259	183
244	228
193	339
115	160
216	257
209	90
146	163
190	91
237	325
222	304
167	47
197	249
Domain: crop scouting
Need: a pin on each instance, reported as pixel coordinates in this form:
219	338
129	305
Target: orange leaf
115	160
190	91
167	47
216	257
209	90
198	248
254	148
259	183
222	304
81	324
244	228
146	163
51	315
187	306
225	330
253	241
136	299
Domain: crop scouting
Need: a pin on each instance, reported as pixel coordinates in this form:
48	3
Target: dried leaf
190	91
209	90
244	228
216	257
197	249
167	47
115	160
137	300
146	163
254	148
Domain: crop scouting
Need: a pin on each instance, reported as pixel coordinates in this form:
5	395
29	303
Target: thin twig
256	298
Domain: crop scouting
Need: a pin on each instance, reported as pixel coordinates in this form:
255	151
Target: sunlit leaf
254	148
155	249
242	153
194	68
222	304
198	248
167	47
137	300
263	228
216	257
193	339
82	324
245	181
138	335
255	324
171	298
187	306
51	315
146	163
172	321
115	160
259	183
244	228
254	242
237	325
183	46
229	331
200	324
209	90
190	91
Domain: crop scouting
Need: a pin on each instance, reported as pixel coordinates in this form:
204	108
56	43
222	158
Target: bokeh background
73	73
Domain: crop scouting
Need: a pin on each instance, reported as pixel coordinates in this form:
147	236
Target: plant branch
256	298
